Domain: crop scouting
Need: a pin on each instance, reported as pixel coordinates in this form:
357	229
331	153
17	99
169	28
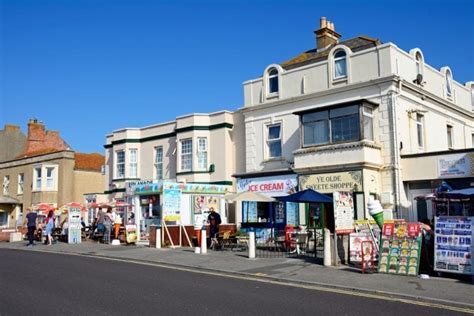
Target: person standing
31	219
108	225
100	221
214	220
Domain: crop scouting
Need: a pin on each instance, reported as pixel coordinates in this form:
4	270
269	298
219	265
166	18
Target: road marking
261	277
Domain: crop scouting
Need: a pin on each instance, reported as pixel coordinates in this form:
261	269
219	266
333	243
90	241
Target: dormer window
449	83
419	63
340	64
273	81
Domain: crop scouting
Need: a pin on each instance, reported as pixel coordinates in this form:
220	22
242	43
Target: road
54	284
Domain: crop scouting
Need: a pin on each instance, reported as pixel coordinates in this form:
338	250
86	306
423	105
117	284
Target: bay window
202	153
133	164
186	155
120	164
337	125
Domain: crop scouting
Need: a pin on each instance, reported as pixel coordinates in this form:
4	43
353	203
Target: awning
249	196
306	196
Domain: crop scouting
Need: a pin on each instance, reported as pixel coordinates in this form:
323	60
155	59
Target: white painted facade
383	75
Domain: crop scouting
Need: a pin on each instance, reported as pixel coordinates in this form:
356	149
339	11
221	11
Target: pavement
453	291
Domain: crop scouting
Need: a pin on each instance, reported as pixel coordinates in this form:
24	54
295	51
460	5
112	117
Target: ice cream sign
456	166
272	186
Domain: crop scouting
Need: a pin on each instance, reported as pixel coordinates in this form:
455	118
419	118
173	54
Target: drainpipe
395	150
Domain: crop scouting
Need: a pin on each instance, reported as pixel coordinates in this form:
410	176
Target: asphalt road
53	284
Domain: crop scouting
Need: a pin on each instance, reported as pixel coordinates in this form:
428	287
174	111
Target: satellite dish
419	79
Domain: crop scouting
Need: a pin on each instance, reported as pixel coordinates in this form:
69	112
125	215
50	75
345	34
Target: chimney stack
326	35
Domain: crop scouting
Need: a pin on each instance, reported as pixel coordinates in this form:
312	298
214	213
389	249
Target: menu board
343	212
249	212
355	246
400	248
74	226
292	210
453	244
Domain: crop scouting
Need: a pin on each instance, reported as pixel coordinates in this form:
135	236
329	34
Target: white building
359	115
195	154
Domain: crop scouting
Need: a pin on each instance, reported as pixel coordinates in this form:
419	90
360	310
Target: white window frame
37	180
273	140
420	130
158	163
449	83
6	185
45	183
119	173
419	64
367	113
50	179
338	59
449	135
133	162
21	183
186	155
202	153
272	77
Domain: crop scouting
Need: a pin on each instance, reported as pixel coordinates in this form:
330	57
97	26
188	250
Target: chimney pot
322	22
326	35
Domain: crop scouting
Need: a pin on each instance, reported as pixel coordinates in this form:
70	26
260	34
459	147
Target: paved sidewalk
441	290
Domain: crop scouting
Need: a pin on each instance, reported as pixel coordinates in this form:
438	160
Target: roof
91	162
39	152
313	56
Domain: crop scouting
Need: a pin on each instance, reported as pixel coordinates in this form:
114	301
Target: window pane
273	72
316	116
49	172
450	136
273	82
186	155
340	68
419	129
340	54
345	128
368	128
316	133
354	109
274	132
275	149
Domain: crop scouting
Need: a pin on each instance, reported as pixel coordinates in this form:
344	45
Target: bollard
251	245
203	241
158	238
327	247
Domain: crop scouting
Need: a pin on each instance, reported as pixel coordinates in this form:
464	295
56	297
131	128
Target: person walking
49	228
31	220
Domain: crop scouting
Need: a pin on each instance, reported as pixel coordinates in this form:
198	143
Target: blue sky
86	68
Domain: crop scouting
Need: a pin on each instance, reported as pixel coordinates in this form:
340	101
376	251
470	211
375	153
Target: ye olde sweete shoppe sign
331	182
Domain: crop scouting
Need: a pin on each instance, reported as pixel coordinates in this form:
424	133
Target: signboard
453	252
456	166
171	205
131	234
343	212
203	203
292	212
271	186
400	248
332	182
74	226
355	246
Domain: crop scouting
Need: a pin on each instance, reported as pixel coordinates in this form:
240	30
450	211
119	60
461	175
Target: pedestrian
31	220
49	228
108	220
100	221
427	248
214	220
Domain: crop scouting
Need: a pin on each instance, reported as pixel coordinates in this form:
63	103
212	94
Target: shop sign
153	187
198	188
343	212
272	186
453	244
456	166
171	205
332	182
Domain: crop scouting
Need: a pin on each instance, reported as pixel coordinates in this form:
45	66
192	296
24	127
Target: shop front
426	174
175	204
265	217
